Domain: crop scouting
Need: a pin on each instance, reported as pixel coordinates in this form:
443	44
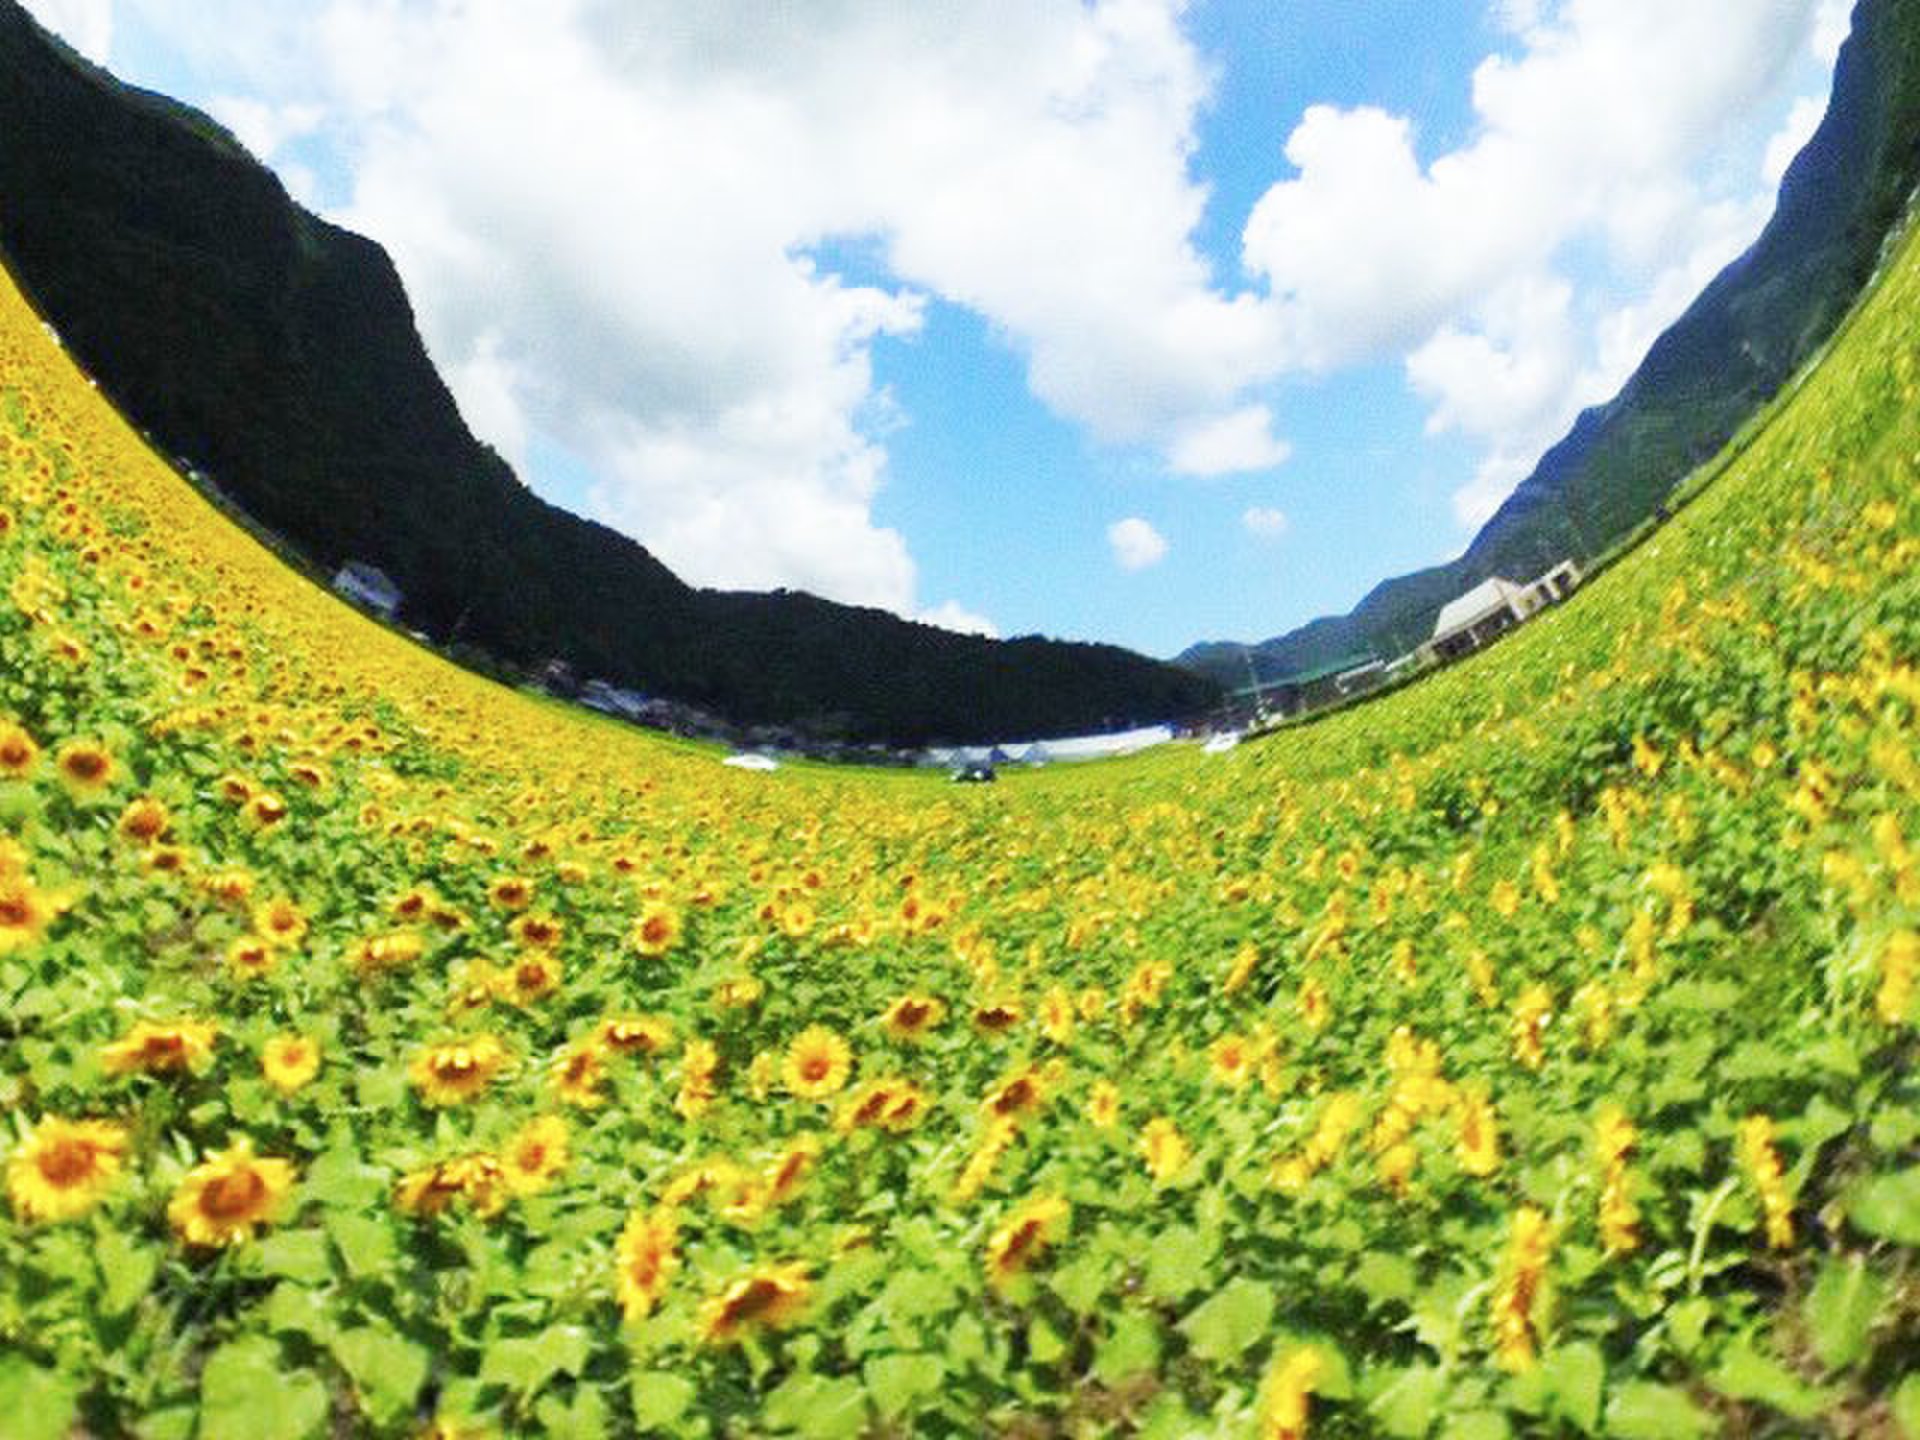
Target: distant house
1495	606
369	587
611	699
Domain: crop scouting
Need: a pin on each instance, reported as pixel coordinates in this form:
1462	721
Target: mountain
1763	316
278	354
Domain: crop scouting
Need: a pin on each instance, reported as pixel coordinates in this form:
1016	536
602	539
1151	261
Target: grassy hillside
278	353
1704	377
1529	1052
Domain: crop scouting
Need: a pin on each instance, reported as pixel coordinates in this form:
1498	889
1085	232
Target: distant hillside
1732	350
279	354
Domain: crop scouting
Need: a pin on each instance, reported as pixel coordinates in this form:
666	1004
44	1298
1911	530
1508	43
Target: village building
1476	619
369	587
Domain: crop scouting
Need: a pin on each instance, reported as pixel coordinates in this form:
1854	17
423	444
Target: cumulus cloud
1232	444
1136	545
952	615
1791	138
1264	521
86	25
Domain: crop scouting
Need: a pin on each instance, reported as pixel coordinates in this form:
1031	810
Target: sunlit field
1530	1051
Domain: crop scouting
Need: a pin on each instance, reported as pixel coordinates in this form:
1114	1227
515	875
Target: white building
369	587
1495	606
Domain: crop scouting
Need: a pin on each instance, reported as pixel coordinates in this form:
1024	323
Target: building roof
1490	595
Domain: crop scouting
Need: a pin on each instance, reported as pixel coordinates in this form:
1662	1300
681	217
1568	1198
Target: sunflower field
383	1052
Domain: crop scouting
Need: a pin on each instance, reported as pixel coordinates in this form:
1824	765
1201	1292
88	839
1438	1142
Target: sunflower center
233	1196
67	1163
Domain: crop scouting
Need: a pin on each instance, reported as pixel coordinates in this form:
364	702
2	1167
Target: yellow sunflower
1028	1231
578	1074
63	1167
768	1298
86	767
18	753
228	1196
455	1072
636	1034
912	1016
644	1261
534	1156
157	1049
144	820
24	913
510	892
289	1062
657	929
818	1063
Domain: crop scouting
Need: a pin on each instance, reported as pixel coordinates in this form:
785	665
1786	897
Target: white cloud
1264	521
86	25
264	127
1230	444
953	616
1830	26
1136	544
1791	138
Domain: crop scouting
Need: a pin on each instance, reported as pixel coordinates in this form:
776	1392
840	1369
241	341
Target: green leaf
967	1347
1840	1311
126	1270
1131	1348
1177	1263
1745	1374
817	1407
295	1255
294	1309
898	1382
1044	1345
1906	1407
584	1418
1385	1278
1477	1425
387	1369
1082	1283
914	1294
366	1245
1224	1326
1687	1322
1889	1206
1406	1407
40	1403
245	1391
525	1363
1574	1375
1643	1411
660	1398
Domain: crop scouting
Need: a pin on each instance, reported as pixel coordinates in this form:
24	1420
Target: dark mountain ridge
279	354
1726	356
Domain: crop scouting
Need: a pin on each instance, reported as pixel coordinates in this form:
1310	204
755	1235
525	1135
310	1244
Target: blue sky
1130	320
